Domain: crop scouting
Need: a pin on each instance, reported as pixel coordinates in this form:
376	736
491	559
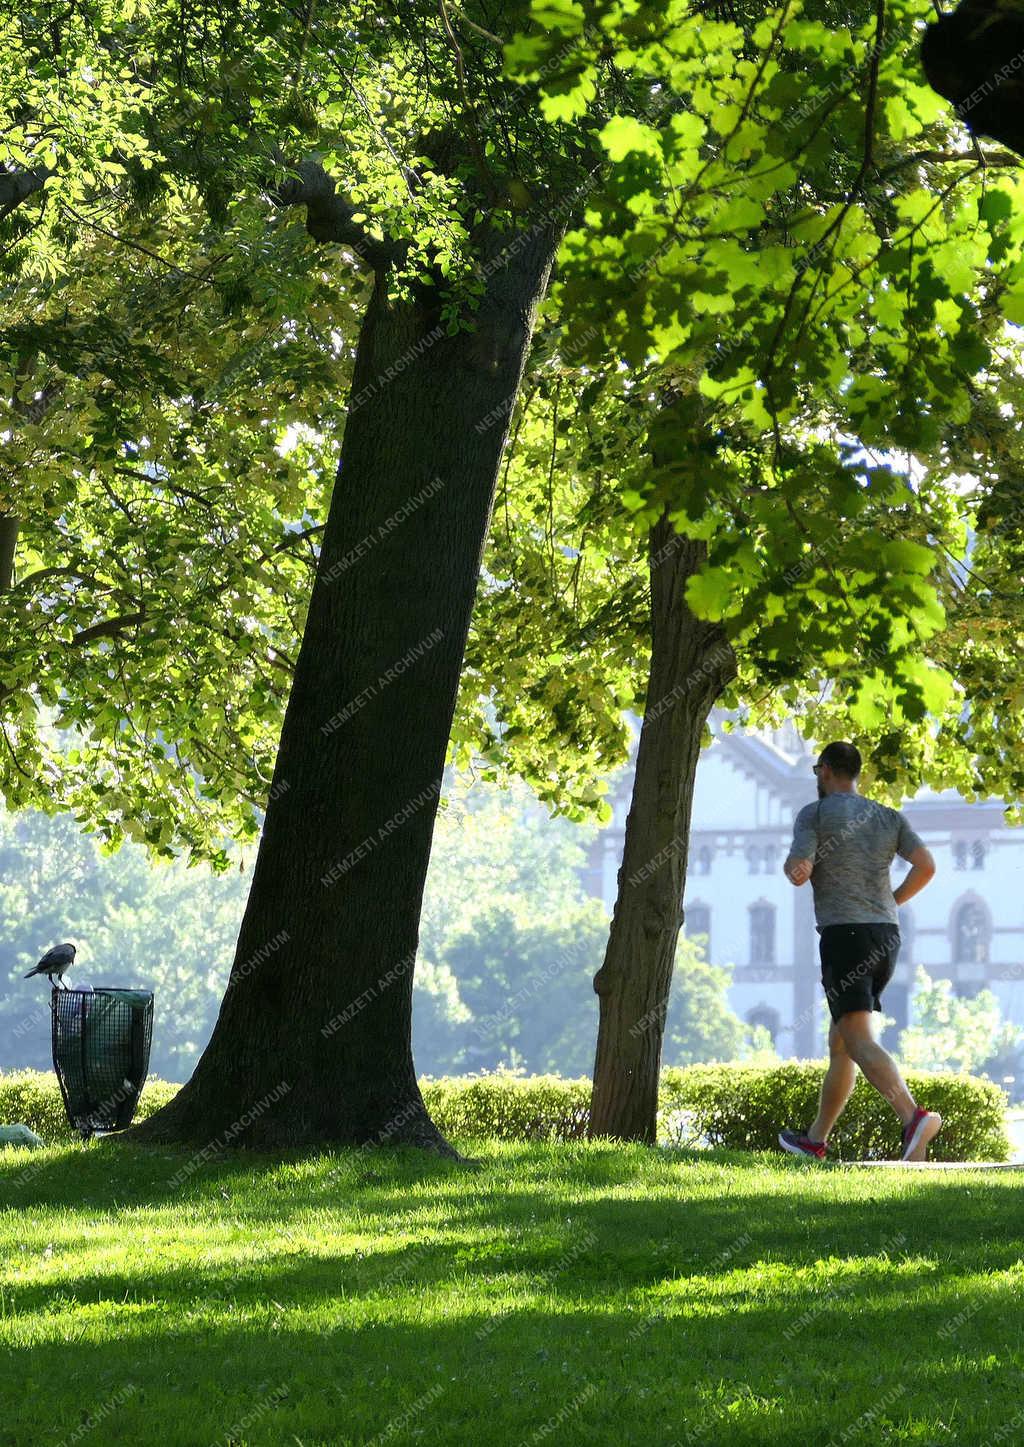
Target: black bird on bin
55	962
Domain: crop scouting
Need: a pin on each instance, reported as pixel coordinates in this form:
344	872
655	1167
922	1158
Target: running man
845	845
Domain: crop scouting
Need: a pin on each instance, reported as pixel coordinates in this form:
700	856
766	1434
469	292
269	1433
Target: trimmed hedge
32	1098
509	1107
741	1107
744	1107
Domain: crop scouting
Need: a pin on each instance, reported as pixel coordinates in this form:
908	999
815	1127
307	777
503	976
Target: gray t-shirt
852	841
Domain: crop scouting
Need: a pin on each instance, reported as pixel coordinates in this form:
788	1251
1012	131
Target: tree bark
17	186
313	1041
8	548
691	662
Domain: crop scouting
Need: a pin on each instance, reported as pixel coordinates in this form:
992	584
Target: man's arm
922	867
800	862
798	871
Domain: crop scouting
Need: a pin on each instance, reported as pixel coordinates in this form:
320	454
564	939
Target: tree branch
329	217
61	572
298	537
132	245
14	756
109	627
472	124
165	484
487	34
17	186
990	158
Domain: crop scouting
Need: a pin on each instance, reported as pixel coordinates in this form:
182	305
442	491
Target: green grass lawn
546	1294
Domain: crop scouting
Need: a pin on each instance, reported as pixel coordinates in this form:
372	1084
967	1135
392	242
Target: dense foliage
954	1032
790	285
784	266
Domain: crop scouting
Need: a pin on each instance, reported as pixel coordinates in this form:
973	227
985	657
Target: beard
821	790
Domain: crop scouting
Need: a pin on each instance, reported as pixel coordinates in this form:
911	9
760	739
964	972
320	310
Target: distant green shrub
744	1108
505	1106
33	1098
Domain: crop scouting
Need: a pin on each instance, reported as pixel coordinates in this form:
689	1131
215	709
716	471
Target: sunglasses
816	767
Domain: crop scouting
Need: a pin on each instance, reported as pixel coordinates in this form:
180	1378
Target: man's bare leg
857	1030
840	1078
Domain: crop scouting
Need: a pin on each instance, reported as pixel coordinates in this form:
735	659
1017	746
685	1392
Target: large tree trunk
313	1042
690	664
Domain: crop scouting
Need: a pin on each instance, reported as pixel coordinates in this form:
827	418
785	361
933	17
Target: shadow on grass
124	1171
572	1270
653	1375
520	1215
113	1175
686	1298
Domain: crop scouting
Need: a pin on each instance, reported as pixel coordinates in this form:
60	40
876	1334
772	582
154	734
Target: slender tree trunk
9	523
313	1041
691	662
8	547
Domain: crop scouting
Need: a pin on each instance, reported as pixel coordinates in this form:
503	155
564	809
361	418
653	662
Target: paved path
943	1165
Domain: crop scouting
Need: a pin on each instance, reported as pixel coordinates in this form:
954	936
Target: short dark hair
842	759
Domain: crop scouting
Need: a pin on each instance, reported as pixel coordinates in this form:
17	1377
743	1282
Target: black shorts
857	962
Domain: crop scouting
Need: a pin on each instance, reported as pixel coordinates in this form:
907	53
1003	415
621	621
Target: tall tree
387	619
345	845
346	840
874	562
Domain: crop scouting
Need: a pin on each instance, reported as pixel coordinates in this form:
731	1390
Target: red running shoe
922	1127
801	1145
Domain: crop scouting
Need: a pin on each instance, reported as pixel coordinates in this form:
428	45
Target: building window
770	856
978	855
698	922
766	1016
702	860
960	854
970	935
753	859
762	934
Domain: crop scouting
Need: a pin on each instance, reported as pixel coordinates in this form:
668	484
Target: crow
55	962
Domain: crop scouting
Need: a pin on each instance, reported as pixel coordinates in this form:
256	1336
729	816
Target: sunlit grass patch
620	1294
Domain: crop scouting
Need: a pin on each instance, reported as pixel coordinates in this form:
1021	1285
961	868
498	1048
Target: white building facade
967	925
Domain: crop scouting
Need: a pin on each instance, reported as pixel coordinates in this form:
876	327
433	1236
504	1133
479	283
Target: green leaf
903	556
711	593
625	134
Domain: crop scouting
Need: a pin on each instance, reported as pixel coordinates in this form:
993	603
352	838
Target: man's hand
922	867
798	871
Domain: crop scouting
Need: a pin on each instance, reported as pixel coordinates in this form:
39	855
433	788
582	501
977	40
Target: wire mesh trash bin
101	1041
